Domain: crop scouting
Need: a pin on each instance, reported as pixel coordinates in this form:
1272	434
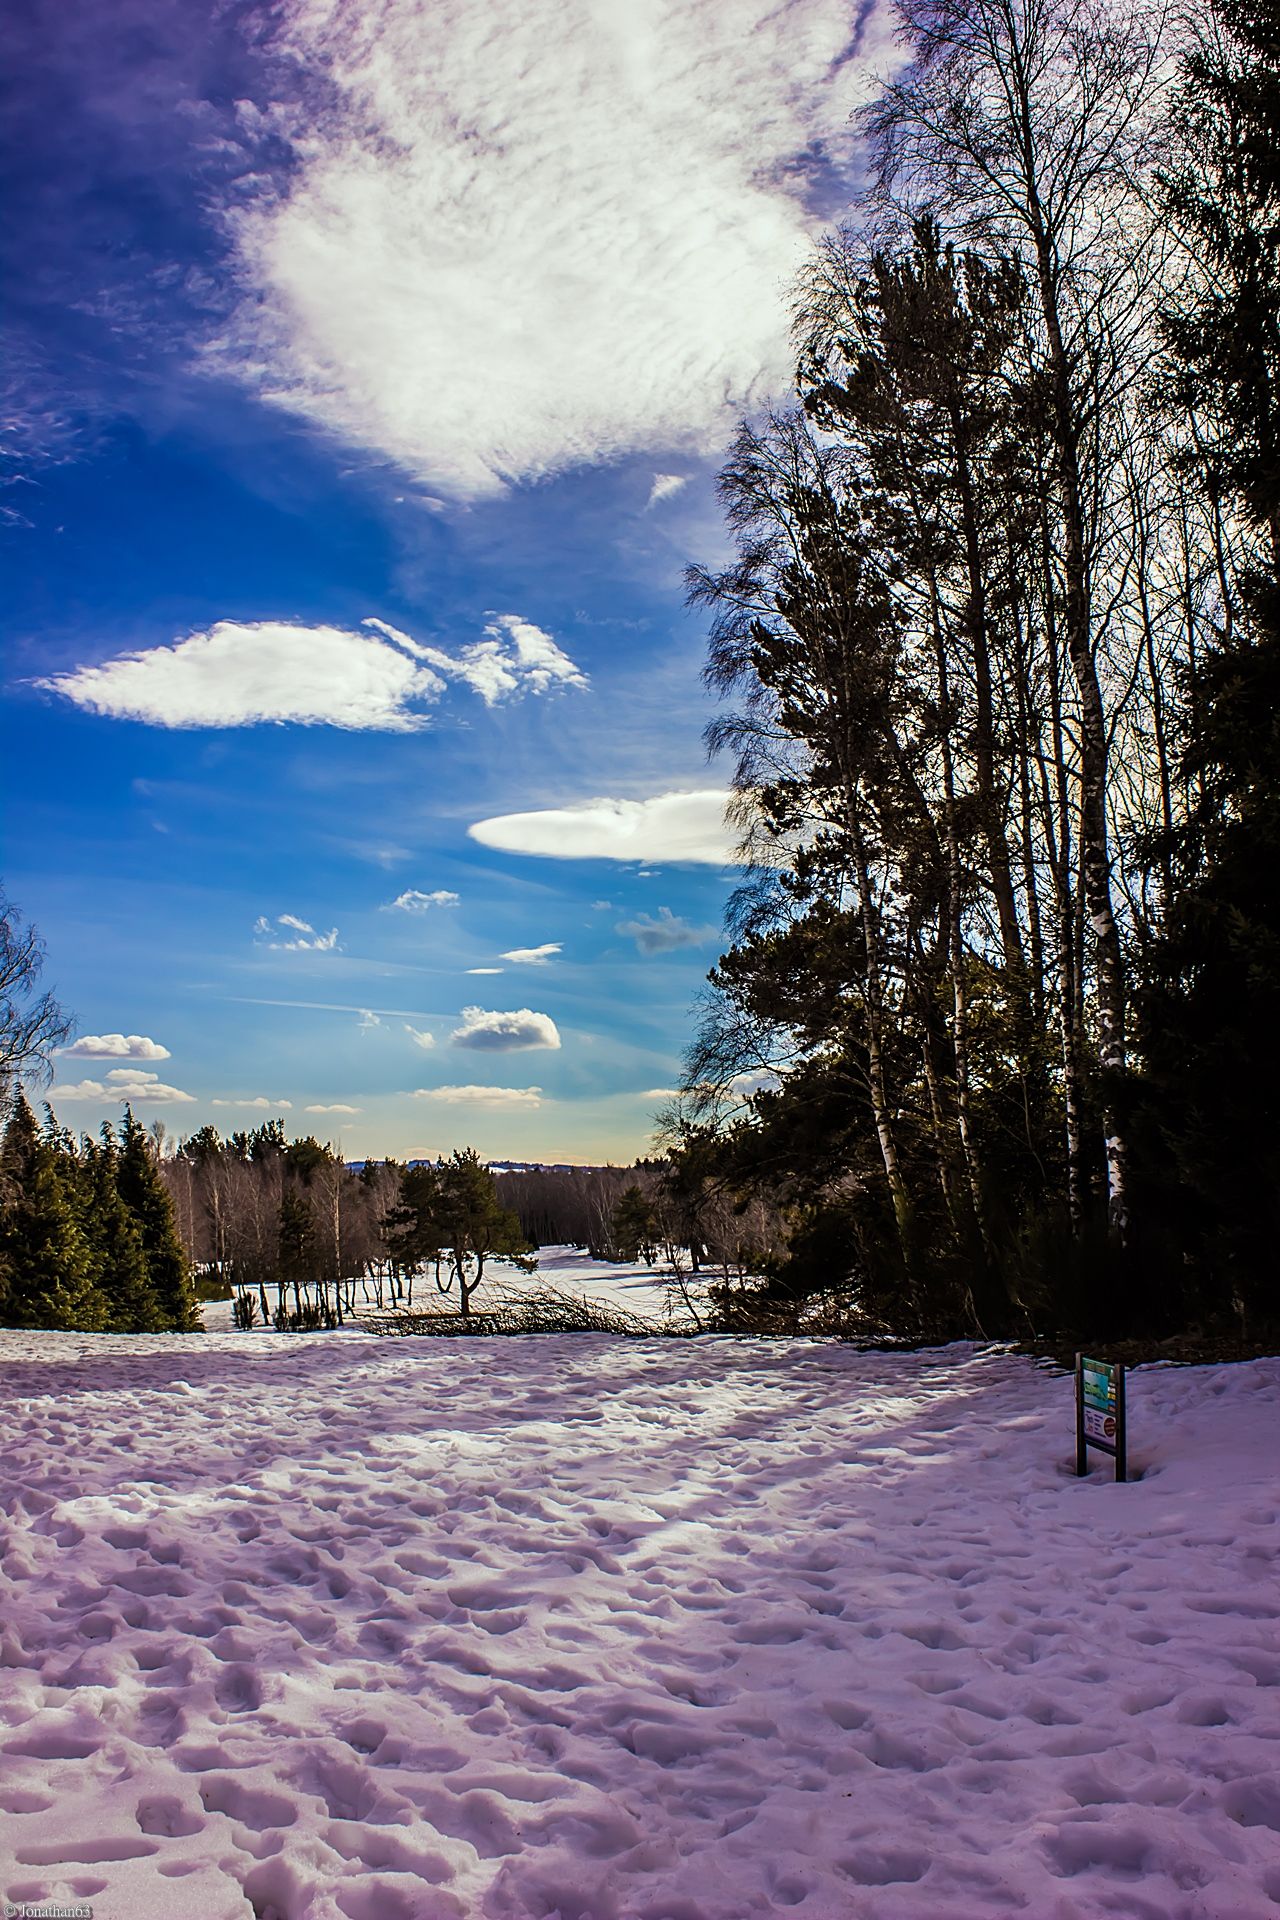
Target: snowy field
633	1289
336	1628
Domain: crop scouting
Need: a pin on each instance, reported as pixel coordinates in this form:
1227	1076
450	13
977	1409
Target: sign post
1100	1418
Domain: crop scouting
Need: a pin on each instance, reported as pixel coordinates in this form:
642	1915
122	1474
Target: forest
992	1048
999	643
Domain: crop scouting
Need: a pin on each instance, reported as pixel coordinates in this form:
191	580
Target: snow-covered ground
337	1628
634	1289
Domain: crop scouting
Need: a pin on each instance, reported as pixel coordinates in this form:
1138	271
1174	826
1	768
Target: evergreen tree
634	1225
116	1245
296	1257
1209	1097
475	1224
46	1267
147	1200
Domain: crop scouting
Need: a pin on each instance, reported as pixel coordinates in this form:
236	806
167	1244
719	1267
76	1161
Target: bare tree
32	1024
1030	125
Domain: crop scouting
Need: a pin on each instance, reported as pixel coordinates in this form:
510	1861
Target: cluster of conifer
88	1240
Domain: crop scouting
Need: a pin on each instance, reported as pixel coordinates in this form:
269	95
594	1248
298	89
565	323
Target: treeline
1003	628
88	1238
664	1211
275	1221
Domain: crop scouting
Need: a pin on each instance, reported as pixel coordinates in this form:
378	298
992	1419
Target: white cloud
762	1080
505	1032
664	486
515	657
424	1040
260	1104
125	1083
241	674
412	901
337	1107
533	956
308	941
670	826
368	1020
482	1096
528	236
664	933
117	1046
486	969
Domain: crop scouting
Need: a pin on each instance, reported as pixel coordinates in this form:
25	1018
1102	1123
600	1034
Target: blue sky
370	369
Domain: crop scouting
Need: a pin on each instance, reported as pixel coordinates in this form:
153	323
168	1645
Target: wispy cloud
412	901
420	1038
337	1107
486	969
482	1096
308	940
505	1032
533	956
258	1104
249	673
522	241
125	1083
116	1046
663	933
514	657
664	486
669	827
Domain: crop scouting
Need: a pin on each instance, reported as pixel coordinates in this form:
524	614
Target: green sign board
1100	1419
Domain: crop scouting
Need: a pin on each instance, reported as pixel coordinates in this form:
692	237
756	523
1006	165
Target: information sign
1099	1412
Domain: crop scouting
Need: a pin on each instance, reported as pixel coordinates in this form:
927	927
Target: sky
368	365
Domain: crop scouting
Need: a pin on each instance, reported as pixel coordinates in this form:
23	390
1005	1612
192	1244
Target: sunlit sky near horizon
369	369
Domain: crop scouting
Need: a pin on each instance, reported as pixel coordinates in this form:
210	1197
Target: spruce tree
46	1267
116	1246
147	1201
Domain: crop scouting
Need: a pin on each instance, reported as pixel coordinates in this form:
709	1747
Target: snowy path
333	1628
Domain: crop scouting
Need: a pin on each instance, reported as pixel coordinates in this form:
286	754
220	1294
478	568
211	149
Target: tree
147	1199
475	1224
635	1225
32	1024
1208	1097
296	1237
1027	125
115	1244
46	1267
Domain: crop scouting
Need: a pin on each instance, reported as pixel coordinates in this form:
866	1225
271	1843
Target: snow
327	1627
640	1292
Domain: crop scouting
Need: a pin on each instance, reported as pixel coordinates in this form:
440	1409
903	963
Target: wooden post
1122	1435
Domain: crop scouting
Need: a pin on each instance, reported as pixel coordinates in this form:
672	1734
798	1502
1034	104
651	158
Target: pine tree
296	1255
634	1225
147	1200
475	1223
46	1268
1209	1098
116	1245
